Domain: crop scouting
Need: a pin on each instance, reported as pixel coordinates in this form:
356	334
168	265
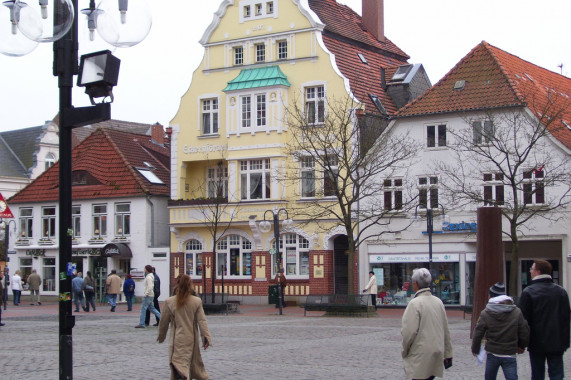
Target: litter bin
273	295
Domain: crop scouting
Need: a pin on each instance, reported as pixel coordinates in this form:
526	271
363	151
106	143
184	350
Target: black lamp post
430	230
98	74
265	226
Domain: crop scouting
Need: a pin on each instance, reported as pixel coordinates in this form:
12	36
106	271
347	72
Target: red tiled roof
111	158
496	79
345	36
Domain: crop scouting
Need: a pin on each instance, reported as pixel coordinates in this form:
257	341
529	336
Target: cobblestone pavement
256	343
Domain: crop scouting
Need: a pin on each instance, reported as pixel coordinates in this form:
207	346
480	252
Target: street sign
4	209
273	251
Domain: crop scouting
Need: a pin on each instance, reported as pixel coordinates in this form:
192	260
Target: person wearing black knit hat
506	332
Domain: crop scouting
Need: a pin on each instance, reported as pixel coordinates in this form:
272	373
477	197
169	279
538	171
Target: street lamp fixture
430	228
30	24
265	227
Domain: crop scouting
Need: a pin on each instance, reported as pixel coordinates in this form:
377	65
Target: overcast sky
157	72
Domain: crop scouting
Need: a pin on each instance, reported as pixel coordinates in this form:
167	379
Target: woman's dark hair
184	290
149	268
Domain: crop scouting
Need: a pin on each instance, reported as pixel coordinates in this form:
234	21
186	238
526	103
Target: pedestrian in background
113	285
185	315
17	287
157	292
506	332
545	306
89	291
281	278
426	346
148	294
77	290
129	291
371	288
34	282
1	295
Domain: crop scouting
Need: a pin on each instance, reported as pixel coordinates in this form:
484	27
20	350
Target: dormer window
362	58
401	73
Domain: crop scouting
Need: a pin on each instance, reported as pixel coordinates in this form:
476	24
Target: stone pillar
489	258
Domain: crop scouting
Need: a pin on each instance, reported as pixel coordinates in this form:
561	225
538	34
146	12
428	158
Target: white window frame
49	271
493	184
26	221
428	187
331	174
482	132
260	52
210	108
123	219
307	164
393	188
533	185
234	246
282	47
49	222
193	250
49	161
216	176
438	138
99	217
250	103
248	168
76	220
238	55
298	248
314	102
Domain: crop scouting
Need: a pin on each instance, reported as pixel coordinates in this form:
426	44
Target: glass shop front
394	274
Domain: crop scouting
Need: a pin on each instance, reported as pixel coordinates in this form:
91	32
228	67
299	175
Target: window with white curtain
255	179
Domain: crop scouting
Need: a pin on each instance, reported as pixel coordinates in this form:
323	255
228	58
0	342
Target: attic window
150	176
362	58
567	125
401	73
378	104
459	85
528	76
82	177
150	166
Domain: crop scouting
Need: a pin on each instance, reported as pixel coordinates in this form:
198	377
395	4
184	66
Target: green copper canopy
258	77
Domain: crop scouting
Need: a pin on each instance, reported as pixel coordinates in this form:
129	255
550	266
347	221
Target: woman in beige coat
425	335
185	314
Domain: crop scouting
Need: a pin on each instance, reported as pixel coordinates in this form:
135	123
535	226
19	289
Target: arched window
295	255
50	160
193	258
234	256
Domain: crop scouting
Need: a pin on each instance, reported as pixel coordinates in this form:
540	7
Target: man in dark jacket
506	332
157	290
545	306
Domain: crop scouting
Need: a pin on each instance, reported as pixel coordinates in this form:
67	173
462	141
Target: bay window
255	179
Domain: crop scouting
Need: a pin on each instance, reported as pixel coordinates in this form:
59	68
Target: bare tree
343	161
509	158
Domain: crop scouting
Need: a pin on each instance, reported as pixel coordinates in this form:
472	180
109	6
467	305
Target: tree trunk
514	268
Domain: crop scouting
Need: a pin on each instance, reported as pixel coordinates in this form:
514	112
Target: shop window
234	256
99	214
315	104
26	222
493	189
534	187
255	179
428	192
25	268
76	221
49	277
48	222
122	219
436	135
193	258
295	255
392	190
209	116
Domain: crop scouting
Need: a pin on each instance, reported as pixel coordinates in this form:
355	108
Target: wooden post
489	258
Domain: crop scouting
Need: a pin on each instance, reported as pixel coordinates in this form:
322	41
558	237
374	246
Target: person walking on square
371	288
157	291
426	344
113	285
17	287
545	306
148	295
77	290
34	282
129	291
185	315
506	332
89	291
283	282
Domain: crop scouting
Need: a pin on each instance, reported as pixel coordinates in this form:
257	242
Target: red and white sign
4	209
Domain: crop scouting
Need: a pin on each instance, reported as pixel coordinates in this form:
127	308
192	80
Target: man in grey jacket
506	332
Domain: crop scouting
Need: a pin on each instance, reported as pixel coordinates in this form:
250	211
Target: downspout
152	205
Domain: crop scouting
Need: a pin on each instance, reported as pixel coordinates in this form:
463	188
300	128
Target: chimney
158	133
373	18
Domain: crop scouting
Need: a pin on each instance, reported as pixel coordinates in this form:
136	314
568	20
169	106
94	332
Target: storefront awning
258	77
116	250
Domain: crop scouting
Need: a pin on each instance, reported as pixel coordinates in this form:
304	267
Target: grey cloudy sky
157	72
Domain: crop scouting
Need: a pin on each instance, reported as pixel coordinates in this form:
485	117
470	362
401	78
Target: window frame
482	135
238	55
193	249
428	186
308	176
332	171
26	222
301	247
533	187
216	176
49	222
493	189
436	135
76	221
314	106
246	172
260	52
99	220
393	187
209	107
282	50
254	111
122	219
234	249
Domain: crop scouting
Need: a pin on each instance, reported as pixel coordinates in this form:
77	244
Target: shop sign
415	258
35	252
460	227
208	148
86	251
